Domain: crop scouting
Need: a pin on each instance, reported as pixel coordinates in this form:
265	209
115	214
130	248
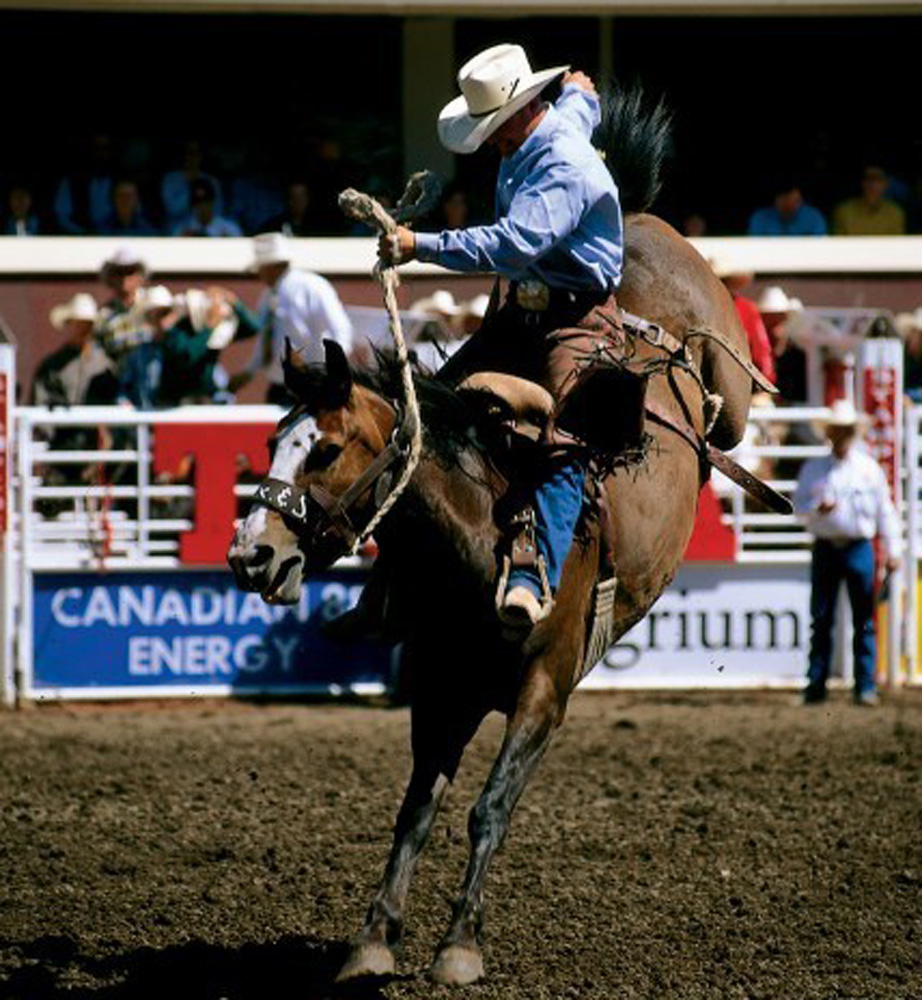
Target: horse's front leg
440	734
538	712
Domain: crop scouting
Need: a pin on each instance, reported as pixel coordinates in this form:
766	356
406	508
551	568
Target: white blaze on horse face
292	446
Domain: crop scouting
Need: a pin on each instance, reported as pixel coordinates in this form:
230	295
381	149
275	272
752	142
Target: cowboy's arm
579	103
543	212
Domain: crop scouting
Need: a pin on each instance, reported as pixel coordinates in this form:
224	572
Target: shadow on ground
54	968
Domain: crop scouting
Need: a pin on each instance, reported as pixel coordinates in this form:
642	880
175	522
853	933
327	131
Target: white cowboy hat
124	258
81	306
439	303
494	85
723	267
270	248
157	297
842	413
908	322
477	306
774	300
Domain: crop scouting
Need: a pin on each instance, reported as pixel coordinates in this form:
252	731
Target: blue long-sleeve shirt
559	217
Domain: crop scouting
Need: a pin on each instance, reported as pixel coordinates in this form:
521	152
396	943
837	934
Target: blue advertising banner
194	629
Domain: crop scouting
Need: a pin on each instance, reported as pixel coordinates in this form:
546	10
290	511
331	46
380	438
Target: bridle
330	521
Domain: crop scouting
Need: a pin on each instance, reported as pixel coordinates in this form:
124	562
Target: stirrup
514	609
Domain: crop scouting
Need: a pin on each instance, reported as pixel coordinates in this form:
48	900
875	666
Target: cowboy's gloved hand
397	247
581	80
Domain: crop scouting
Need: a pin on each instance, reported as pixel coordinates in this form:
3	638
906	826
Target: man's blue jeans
853	563
558	501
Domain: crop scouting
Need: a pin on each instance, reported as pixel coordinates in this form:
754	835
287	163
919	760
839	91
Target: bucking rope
420	195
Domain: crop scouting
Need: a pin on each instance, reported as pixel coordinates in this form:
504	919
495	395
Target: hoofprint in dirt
693	845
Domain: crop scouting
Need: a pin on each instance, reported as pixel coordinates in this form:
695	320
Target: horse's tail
635	138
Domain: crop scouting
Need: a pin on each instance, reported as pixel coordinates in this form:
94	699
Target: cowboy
844	499
297	306
558	238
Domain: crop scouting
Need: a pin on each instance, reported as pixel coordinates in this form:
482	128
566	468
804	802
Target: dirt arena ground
703	845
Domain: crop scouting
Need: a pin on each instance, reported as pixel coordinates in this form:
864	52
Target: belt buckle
533	295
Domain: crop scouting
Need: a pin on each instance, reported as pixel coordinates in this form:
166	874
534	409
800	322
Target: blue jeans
853	563
558	501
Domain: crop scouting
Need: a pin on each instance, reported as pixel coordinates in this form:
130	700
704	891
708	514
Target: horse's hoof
368	960
457	966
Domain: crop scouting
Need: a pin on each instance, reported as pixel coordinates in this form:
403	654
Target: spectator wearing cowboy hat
775	310
436	339
559	239
297	306
204	220
844	499
735	279
122	325
79	372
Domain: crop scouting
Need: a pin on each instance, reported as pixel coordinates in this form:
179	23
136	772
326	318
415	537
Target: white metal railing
81	507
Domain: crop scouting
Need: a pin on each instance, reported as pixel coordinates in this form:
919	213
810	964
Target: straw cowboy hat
908	322
81	306
494	85
842	413
123	259
270	248
477	306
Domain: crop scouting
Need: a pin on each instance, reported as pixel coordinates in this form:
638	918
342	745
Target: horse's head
322	480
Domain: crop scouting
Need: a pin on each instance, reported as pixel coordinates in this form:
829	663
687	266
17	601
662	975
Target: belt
840	543
535	296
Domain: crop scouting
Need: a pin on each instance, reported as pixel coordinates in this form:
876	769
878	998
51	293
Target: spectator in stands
83	200
79	372
436	320
844	498
178	365
735	279
20	218
204	221
176	187
789	215
122	324
297	306
871	213
909	327
775	310
454	209
296	220
126	217
141	372
694	225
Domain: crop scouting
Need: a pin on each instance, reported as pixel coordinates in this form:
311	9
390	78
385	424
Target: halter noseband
317	512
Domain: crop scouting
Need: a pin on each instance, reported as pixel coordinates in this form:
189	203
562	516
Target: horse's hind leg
538	712
440	734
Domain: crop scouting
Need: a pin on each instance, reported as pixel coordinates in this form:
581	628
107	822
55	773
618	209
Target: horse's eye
322	456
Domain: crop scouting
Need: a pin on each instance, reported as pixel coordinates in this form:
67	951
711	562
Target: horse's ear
304	382
338	382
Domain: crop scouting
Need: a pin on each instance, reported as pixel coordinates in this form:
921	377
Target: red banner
4	452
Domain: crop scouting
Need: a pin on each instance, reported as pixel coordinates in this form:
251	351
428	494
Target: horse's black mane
447	418
635	138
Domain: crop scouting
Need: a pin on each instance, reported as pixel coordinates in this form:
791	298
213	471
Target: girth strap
656	336
709	455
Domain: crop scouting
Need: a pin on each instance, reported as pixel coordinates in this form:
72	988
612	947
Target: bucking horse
335	459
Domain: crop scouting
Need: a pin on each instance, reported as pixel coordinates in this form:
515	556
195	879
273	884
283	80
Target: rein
315	509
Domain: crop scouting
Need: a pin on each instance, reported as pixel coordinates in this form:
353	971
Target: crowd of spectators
105	196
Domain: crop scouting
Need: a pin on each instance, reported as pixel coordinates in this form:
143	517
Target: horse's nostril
260	556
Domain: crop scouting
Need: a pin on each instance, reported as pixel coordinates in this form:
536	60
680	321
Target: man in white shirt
844	499
298	306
